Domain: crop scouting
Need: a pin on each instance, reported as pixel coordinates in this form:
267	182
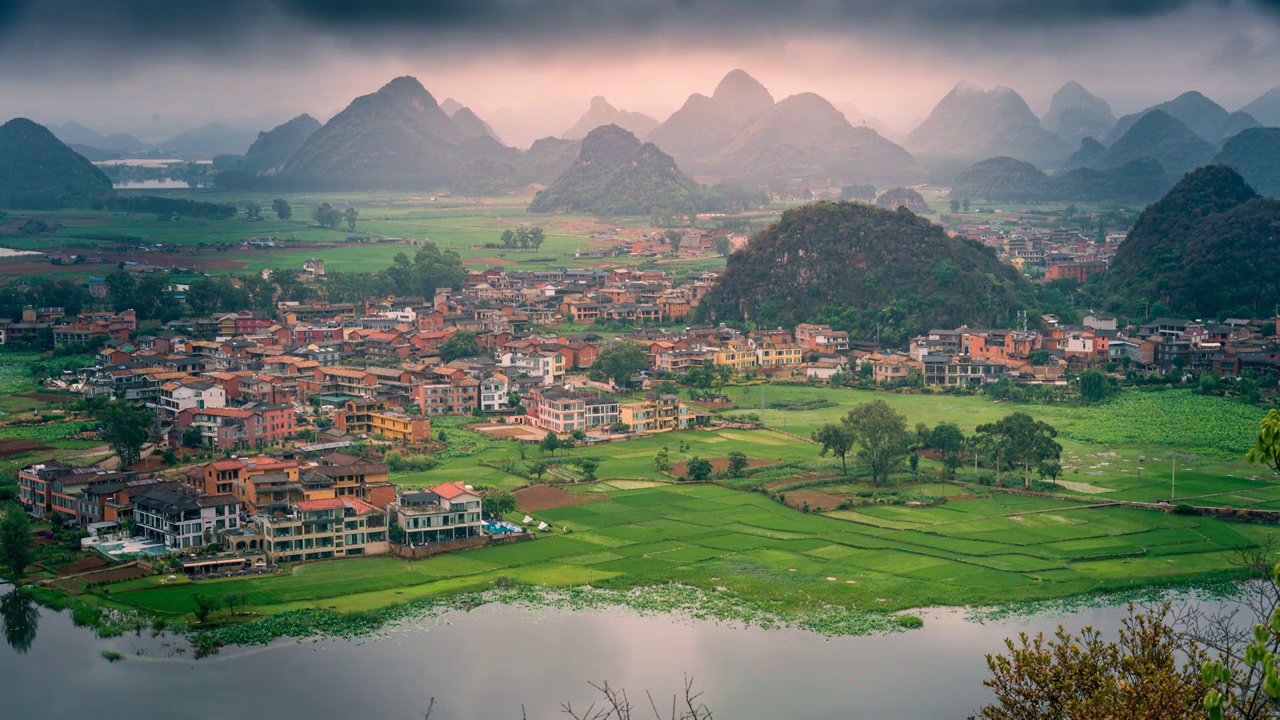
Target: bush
1183	509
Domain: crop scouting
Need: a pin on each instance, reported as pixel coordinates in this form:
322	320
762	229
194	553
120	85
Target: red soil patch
818	501
109	576
148	464
681	469
545	497
84	564
9	448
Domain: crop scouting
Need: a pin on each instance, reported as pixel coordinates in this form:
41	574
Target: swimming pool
501	527
131	547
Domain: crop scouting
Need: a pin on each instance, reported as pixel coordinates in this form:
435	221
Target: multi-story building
369	416
821	339
182	520
51	489
192	394
456	396
779	355
960	370
558	410
601	411
230	428
442	513
324	529
656	413
736	355
547	366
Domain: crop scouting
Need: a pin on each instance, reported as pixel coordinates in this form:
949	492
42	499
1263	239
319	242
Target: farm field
983	551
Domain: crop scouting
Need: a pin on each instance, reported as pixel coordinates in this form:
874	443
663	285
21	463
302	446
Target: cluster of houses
1055	254
276	509
969	356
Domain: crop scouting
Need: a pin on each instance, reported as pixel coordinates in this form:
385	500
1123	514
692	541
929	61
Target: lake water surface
486	664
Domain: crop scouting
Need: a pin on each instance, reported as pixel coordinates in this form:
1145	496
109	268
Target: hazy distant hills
972	123
617	174
274	147
601	113
1206	248
1266	109
208	141
73	133
38	171
1204	117
1255	154
739	132
1006	180
1159	136
472	125
1075	113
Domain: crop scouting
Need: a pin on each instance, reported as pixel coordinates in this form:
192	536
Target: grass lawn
990	550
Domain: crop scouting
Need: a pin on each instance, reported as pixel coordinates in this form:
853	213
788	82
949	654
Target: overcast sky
154	66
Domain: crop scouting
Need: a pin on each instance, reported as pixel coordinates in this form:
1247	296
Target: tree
955	206
737	464
1147	673
15	542
588	467
326	216
881	433
721	374
964	204
948	441
120	285
283	210
620	361
1021	440
1049	469
459	345
721	244
550	442
350	215
191	437
537	470
125	428
499	503
1093	386
537	236
837	439
205	605
699	469
252	211
662	461
509	239
674	238
204	296
522	238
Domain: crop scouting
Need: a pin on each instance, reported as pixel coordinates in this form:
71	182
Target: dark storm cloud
138	24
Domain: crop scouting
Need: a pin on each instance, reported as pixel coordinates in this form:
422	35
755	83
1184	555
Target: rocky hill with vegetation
867	270
39	172
274	147
1159	136
616	174
1206	249
1075	114
970	123
1204	117
901	197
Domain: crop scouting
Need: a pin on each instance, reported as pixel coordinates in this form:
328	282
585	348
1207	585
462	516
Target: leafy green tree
538	469
283	210
509	239
721	374
721	244
191	437
252	211
620	361
500	502
699	469
1093	386
550	442
1021	440
881	434
955	206
429	269
537	236
120	286
737	464
204	296
837	439
1149	672
350	215
1049	469
588	467
662	461
964	204
15	542
326	216
205	605
461	344
125	428
948	441
522	238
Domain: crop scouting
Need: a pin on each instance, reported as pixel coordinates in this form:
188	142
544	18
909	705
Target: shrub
1183	509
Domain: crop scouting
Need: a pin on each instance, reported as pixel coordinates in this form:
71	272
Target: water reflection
19	617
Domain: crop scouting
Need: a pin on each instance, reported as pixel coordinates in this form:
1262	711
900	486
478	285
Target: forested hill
37	171
1208	248
866	267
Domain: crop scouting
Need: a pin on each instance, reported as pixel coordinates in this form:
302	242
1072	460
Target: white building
182	521
548	367
493	393
176	397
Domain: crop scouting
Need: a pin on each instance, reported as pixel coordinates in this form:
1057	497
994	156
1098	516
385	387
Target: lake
487	663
